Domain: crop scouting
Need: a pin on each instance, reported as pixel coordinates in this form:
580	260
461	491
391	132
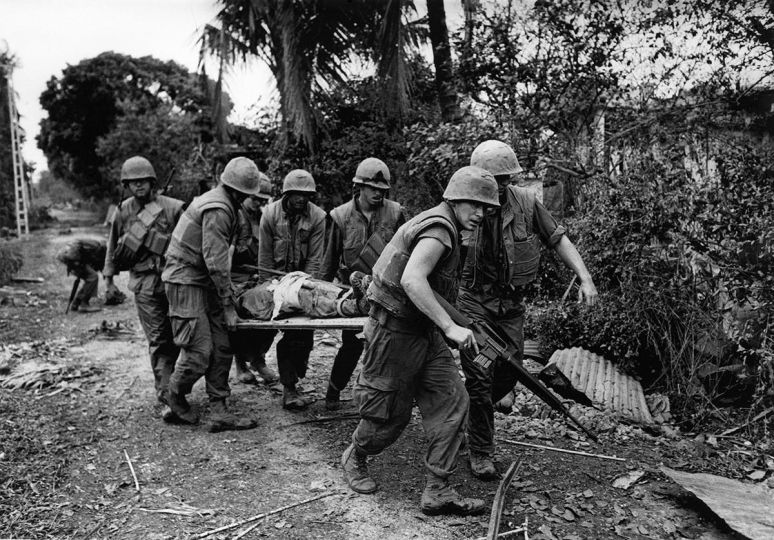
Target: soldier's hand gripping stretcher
493	346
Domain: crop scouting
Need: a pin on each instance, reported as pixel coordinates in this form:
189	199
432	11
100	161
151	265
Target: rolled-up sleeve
548	228
115	233
216	239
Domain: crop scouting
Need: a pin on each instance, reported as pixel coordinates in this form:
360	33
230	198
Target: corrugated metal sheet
601	381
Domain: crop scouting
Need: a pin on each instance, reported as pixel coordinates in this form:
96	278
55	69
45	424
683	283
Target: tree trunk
444	72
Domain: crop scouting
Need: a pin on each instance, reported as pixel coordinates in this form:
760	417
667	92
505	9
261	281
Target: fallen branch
506	534
247	530
349	416
562	450
757	417
499	500
131	468
260	516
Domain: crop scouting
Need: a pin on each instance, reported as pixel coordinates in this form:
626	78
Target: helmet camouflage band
372	172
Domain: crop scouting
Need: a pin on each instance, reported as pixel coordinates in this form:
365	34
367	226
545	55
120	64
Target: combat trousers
293	351
250	346
346	359
401	366
199	329
88	288
487	387
153	312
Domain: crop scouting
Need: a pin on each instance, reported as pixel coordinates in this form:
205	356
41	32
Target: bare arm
115	232
424	258
570	256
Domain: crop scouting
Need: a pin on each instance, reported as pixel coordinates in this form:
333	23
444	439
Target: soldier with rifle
83	257
359	230
502	258
406	357
139	234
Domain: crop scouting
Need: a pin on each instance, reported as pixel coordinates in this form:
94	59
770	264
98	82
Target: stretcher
303	322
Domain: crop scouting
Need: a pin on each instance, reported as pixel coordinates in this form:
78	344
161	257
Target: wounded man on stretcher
298	293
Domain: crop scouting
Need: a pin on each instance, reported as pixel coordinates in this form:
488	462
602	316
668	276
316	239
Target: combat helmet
137	168
496	157
372	172
242	175
472	184
299	180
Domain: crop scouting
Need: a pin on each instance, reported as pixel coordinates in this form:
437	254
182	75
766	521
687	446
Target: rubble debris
112	330
746	508
603	383
660	408
39	377
625	481
27	279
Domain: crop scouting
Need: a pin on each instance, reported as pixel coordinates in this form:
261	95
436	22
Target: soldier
201	296
406	358
290	238
84	257
359	230
139	235
502	258
246	343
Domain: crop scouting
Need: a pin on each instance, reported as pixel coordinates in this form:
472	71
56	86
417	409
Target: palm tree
309	46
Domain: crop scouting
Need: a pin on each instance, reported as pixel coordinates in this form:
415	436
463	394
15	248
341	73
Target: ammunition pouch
368	256
141	234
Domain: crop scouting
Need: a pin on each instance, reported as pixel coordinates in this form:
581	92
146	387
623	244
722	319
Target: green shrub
10	262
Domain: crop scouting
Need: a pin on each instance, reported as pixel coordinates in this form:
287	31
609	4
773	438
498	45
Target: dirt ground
64	472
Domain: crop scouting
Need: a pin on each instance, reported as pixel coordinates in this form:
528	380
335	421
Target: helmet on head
372	172
299	180
265	192
137	168
242	175
496	157
472	184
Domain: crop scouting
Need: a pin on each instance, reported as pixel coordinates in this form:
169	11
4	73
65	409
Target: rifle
72	294
492	346
168	180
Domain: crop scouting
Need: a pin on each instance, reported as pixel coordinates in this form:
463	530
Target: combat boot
244	375
292	400
266	373
181	409
332	399
440	498
355	467
221	419
482	466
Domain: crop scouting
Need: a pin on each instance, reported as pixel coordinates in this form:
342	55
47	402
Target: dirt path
63	473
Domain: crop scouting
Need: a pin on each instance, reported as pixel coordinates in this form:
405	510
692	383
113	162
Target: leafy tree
87	102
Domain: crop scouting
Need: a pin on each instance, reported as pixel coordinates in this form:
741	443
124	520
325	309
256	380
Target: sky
47	35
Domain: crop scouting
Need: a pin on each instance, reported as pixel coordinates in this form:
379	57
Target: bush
687	270
10	262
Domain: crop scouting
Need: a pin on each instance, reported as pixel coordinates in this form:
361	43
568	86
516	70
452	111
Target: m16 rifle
493	346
